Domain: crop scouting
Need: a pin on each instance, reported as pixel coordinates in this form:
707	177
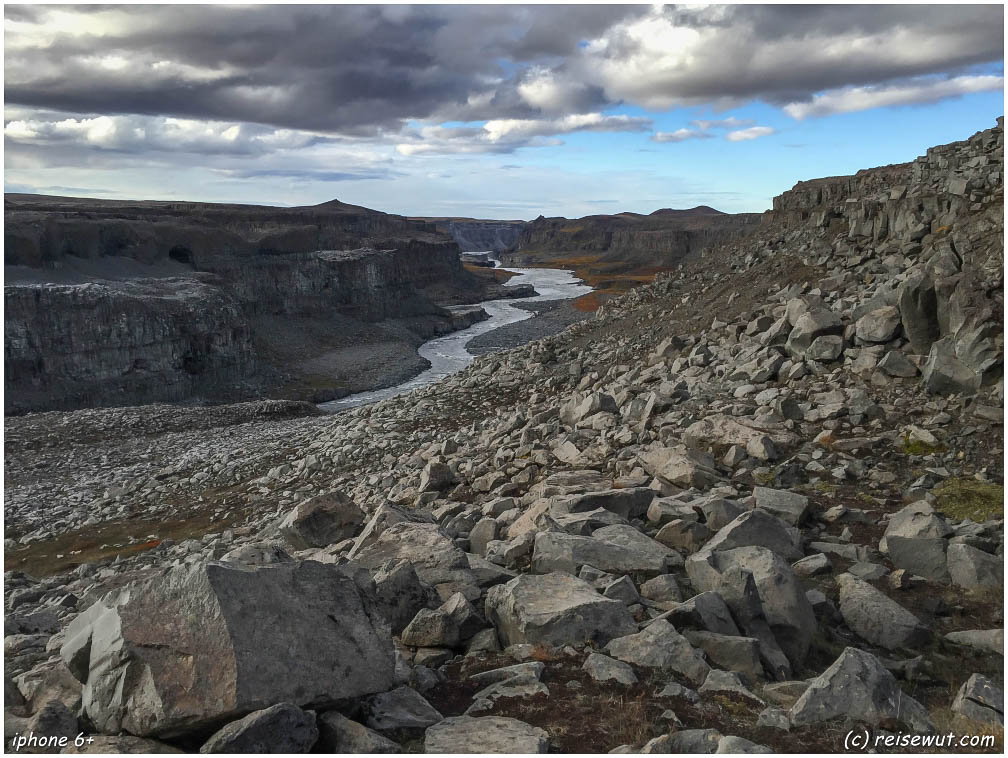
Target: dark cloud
369	70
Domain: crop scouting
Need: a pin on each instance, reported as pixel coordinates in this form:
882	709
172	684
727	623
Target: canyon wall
660	239
112	303
480	235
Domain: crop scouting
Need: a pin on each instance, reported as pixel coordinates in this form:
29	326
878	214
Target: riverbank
550	317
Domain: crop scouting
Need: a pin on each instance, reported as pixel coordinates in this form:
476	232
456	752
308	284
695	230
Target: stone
485	734
629	503
323	520
401	593
123	744
917	520
702	741
810	325
719	682
780	595
922	556
705	612
757	528
972	568
881	325
401	708
812	565
237	637
739	745
945	374
688	536
464	615
617	549
980	699
555	608
485	530
982	640
718	512
661	647
48	681
431	628
51	723
919	310
281	728
789	507
602	668
680	467
661	589
721	430
827	348
338	734
894	363
435	477
878	619
738	654
435	557
858	688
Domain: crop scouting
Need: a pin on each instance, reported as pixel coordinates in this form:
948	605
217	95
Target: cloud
507	135
753	132
726	123
912	93
369	71
680	135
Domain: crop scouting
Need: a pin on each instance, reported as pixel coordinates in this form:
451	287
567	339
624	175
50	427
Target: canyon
753	505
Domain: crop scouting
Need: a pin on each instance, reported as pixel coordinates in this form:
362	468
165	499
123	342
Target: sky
487	111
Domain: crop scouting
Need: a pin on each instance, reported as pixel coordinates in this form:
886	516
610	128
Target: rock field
746	508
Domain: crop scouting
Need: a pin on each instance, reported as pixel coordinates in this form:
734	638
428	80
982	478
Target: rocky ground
754	506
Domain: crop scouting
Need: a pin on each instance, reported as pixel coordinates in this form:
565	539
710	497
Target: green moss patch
967	498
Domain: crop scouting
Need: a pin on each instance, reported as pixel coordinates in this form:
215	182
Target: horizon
485	112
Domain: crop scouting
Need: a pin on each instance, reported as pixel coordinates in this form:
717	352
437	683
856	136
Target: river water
448	354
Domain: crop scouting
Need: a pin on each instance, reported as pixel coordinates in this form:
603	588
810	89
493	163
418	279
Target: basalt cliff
112	303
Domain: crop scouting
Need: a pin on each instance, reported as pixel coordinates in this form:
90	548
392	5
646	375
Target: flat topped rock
485	734
555	608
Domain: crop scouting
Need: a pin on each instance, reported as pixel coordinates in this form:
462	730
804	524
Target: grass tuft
960	498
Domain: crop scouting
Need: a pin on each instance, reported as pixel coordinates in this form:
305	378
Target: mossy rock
916	447
968	498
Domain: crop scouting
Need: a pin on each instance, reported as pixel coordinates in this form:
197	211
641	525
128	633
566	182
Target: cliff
478	235
658	240
110	302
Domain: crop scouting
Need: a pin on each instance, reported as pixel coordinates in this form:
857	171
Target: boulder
880	325
629	503
199	645
401	708
485	734
281	728
789	507
878	619
555	608
602	668
435	477
980	699
858	688
974	569
824	349
918	307
661	647
738	654
122	745
323	520
757	528
401	593
681	467
340	735
437	560
706	612
814	323
725	431
614	549
922	556
916	520
945	374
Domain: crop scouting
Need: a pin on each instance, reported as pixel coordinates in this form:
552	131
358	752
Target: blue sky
486	111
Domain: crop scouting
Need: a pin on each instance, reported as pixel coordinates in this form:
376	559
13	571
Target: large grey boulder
858	688
812	324
555	608
281	728
661	647
401	593
680	467
757	528
980	699
324	520
401	708
485	734
788	506
922	556
629	503
724	431
436	476
385	515
338	734
915	520
785	607
617	549
197	646
705	612
918	308
738	654
880	325
437	560
974	569
878	619
945	374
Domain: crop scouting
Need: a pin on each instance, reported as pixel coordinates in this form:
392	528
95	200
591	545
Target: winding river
448	354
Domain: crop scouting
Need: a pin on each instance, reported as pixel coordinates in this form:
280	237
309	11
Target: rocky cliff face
660	239
477	235
116	330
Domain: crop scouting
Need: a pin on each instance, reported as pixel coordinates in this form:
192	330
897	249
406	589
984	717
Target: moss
968	498
826	488
916	447
764	477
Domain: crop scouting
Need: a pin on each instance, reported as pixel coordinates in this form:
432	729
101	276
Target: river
448	354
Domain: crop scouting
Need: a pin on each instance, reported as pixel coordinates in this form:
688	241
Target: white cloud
853	99
753	132
725	123
680	135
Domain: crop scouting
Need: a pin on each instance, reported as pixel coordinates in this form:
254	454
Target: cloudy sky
494	111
